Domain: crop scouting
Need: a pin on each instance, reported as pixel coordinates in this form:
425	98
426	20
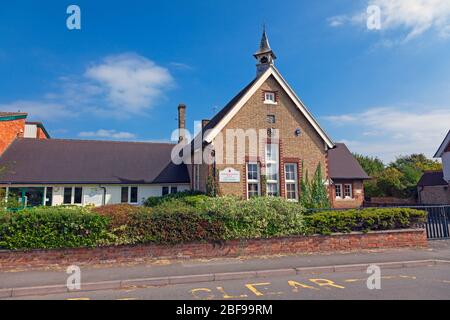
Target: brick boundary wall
408	238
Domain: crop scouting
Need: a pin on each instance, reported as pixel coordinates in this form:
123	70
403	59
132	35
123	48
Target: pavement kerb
162	281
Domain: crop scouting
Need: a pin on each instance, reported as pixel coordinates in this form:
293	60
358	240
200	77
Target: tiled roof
432	178
342	164
55	161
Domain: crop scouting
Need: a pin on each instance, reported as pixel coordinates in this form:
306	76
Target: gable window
129	195
252	180
338	191
290	170
73	195
348	192
272	170
271	119
269	97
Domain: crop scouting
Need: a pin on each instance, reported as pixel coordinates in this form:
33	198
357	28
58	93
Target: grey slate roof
432	178
55	161
342	164
225	110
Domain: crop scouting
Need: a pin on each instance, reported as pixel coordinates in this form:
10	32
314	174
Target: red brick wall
41	134
141	253
358	195
9	130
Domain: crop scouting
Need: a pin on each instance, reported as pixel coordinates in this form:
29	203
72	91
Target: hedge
188	219
54	227
365	220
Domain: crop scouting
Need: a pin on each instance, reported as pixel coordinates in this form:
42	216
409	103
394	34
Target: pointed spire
264	45
264	55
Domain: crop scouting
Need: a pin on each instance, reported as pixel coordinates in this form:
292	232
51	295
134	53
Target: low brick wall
141	253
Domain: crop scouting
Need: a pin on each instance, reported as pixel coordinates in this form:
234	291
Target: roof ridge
103	141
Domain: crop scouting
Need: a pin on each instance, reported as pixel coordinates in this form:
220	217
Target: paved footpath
247	267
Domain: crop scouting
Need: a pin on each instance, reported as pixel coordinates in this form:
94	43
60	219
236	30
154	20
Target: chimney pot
181	122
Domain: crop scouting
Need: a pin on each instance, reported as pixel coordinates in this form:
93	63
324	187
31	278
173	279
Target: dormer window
270	97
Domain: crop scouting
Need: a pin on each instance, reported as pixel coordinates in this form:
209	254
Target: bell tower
264	55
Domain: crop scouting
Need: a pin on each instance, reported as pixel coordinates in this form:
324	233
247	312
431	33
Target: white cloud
102	133
390	132
119	86
130	82
40	110
411	16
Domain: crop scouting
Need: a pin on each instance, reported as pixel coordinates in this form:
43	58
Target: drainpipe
104	195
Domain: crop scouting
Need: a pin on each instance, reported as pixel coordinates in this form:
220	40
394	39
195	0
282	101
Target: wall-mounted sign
229	175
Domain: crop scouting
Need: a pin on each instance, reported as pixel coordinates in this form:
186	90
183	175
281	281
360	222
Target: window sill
270	102
345	199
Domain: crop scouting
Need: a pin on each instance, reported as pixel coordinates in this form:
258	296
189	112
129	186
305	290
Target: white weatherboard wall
446	166
93	195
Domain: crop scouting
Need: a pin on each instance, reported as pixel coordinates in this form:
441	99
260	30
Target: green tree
371	165
314	193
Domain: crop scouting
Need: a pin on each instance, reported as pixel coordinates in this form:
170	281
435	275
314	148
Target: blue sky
384	92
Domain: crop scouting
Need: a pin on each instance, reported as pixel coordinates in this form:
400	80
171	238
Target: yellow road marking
195	291
326	283
78	299
124	299
251	287
227	296
384	277
296	286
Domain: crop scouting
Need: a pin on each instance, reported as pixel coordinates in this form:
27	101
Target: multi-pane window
169	190
272	169
291	181
338	190
129	195
252	180
269	97
348	192
73	195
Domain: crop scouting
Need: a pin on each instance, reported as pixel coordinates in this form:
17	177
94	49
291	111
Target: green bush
260	217
52	227
371	219
186	196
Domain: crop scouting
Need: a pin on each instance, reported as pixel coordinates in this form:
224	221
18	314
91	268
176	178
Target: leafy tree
371	165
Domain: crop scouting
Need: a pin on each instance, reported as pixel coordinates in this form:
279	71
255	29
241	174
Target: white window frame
72	196
129	194
351	191
253	181
290	181
341	191
268	94
170	187
276	164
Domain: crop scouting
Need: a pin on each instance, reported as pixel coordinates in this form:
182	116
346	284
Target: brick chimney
204	123
12	126
181	122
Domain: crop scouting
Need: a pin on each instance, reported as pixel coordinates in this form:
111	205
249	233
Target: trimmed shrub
260	217
52	227
188	196
370	219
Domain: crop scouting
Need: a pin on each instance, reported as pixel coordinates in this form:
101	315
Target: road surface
429	282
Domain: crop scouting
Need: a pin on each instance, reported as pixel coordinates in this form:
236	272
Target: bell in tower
264	55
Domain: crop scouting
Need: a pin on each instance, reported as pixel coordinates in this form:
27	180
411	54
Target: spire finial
264	55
